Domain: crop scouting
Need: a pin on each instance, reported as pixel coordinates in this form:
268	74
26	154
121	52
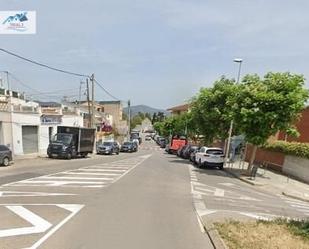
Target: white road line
76	178
219	192
104	167
144	158
300	206
74	209
39	224
28	194
58	183
227	184
103	170
203	189
89	173
255	216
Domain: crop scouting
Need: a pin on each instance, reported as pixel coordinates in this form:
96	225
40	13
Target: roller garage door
30	139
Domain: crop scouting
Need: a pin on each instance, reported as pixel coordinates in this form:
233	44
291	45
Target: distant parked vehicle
186	153
180	150
5	155
210	156
167	147
176	143
183	150
71	142
163	143
193	153
148	137
136	135
108	148
128	147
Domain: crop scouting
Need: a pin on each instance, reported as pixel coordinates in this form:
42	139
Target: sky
158	53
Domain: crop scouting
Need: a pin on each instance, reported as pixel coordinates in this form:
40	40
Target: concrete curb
212	233
214	236
295	197
244	180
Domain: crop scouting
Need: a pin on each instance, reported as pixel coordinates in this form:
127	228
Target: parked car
167	147
108	148
187	152
162	142
180	150
136	141
176	143
148	137
210	156
128	147
5	155
192	154
184	149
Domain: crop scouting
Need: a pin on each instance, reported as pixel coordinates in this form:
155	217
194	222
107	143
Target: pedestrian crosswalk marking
76	178
90	173
95	176
103	170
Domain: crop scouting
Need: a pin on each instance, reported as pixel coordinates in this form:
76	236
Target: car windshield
107	144
62	138
127	143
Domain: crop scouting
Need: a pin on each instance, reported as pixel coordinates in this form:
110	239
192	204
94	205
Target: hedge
289	148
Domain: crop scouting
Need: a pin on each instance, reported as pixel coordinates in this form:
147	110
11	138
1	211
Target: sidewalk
271	181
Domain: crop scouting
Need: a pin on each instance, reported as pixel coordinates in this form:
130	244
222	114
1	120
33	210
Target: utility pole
129	118
80	93
227	152
88	102
92	102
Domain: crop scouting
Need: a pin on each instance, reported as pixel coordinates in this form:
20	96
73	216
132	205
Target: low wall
297	167
274	160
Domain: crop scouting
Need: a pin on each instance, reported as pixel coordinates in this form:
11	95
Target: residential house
177	110
19	123
275	160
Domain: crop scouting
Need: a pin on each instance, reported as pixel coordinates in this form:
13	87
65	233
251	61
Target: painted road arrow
39	224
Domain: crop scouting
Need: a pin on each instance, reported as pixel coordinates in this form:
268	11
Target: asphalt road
138	200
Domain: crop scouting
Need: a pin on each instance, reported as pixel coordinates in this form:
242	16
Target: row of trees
259	108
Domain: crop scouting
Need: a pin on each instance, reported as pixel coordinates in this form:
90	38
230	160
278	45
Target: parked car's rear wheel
6	161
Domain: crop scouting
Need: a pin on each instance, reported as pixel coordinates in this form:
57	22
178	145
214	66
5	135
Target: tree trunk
252	158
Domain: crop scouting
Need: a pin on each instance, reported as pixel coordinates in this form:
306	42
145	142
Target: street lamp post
239	61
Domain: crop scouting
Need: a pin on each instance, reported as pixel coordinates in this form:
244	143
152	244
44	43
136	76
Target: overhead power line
43	65
107	92
56	69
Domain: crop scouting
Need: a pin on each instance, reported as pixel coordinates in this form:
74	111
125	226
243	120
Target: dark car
108	148
5	155
192	154
128	147
162	142
183	150
180	150
187	151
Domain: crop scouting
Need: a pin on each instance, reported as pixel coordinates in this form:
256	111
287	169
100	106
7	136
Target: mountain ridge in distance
143	109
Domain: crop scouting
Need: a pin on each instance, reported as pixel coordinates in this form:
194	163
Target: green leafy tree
212	110
154	118
267	105
147	115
